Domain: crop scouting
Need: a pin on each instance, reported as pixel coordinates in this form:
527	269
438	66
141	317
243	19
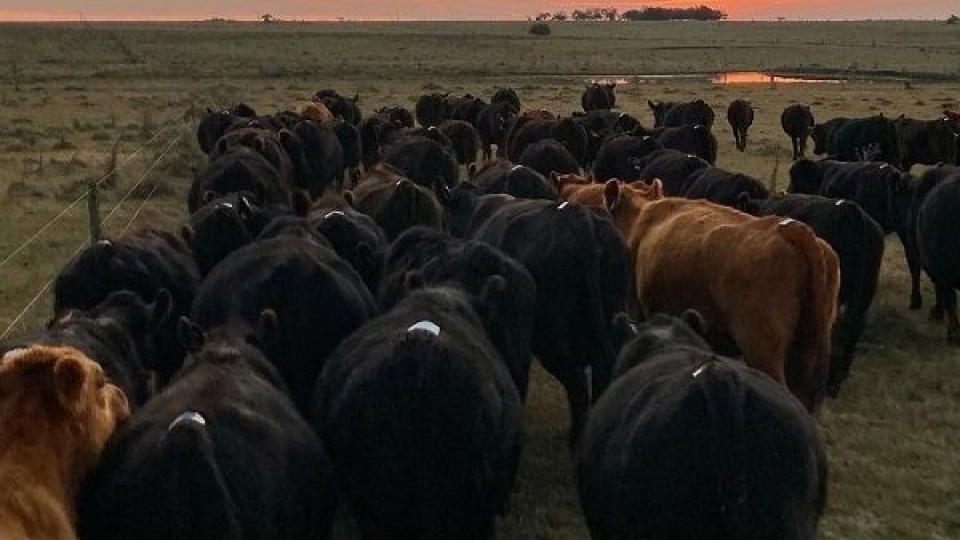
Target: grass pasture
71	93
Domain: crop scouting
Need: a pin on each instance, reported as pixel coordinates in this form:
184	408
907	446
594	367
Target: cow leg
912	255
578	398
846	333
947	299
796	148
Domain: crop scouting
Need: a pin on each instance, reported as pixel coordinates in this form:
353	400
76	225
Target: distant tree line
699	13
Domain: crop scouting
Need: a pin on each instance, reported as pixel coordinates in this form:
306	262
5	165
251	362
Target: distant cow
492	123
422	419
399	116
508	96
692	113
693	139
880	189
617	157
599	96
673	167
864	139
740	117
423	160
395	202
581	268
858	242
222	453
928	142
464	138
937	235
341	106
466	108
824	135
743	274
548	156
680	428
431	109
798	123
56	414
723	187
501	176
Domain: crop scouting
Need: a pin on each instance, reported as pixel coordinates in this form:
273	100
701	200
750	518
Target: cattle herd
350	315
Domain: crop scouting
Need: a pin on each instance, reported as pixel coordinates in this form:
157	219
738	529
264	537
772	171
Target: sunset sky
449	10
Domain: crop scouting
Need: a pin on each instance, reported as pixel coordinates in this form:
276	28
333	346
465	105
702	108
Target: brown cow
56	413
316	111
575	188
769	284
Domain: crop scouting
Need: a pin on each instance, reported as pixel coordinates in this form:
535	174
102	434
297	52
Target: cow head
661	332
626	201
55	400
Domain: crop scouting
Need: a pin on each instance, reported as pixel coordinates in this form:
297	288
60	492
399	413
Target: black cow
145	263
399	116
213	125
798	123
928	142
241	171
617	157
880	189
341	106
117	334
508	96
692	139
355	237
422	419
492	124
423	160
431	109
464	139
824	135
395	202
466	108
265	142
691	113
293	297
376	132
723	187
548	156
501	176
862	139
688	445
221	453
441	259
352	146
599	96
740	118
937	236
858	241
581	267
325	153
674	169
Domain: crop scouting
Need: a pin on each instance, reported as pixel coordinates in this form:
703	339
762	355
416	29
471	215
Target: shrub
540	29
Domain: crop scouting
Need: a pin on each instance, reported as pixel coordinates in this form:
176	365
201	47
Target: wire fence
157	141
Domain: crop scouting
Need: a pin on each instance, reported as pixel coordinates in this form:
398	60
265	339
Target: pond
726	77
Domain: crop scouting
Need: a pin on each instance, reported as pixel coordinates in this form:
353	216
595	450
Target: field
75	99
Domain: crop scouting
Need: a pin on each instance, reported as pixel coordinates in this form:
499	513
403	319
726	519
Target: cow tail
808	360
724	397
197	486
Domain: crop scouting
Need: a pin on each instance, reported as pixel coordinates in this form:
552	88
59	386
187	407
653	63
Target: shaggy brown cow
769	284
316	111
56	413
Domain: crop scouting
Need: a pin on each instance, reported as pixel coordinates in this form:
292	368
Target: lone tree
540	29
953	20
267	18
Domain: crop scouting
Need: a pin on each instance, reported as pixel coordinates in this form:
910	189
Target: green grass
892	435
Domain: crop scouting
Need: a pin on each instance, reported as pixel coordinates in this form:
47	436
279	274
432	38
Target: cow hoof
916	301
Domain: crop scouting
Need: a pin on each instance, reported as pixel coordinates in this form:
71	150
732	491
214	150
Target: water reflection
758	77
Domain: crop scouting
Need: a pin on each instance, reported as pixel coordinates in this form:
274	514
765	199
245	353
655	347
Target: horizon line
473	20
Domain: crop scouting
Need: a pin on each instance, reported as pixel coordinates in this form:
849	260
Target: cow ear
443	192
245	209
694	320
624	329
208	196
656	189
491	297
611	194
349	198
186	233
412	280
161	308
299	202
268	327
69	376
190	334
651	104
